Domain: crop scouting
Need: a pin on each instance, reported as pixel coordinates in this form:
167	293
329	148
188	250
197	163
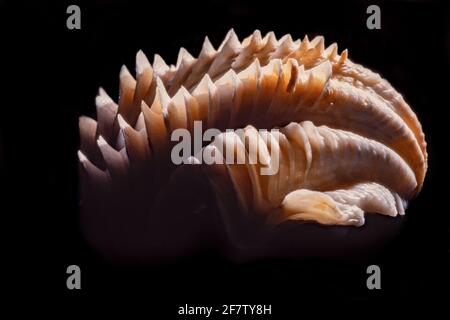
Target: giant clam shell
347	144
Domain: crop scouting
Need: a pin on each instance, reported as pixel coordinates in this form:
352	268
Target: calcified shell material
348	142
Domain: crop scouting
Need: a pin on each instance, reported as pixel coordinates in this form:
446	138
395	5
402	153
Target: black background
55	76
